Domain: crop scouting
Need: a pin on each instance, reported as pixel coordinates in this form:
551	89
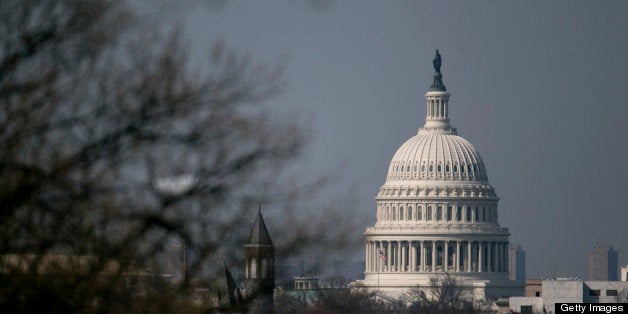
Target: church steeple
259	264
259	233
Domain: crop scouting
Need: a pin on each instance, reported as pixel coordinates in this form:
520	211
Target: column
457	269
389	256
398	256
422	258
446	257
433	256
489	256
368	256
468	256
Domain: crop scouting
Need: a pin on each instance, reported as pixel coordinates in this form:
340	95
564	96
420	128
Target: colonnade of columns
437	107
436	255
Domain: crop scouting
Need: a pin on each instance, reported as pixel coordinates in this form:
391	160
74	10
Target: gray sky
539	87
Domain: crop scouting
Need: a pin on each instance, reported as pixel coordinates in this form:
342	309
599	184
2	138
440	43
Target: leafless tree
355	299
113	146
444	294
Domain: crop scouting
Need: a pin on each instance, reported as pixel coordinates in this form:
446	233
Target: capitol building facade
437	213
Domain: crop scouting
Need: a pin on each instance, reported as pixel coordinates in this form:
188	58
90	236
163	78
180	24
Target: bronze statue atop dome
437	62
437	85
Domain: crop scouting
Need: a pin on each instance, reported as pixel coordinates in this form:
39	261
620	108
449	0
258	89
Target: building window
446	168
448	213
414	168
431	168
439	168
418	213
468	168
401	217
410	213
429	213
422	168
455	168
477	211
459	213
407	168
526	309
611	293
468	213
439	213
594	293
483	213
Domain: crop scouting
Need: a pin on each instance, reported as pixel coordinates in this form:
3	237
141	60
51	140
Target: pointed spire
259	233
437	85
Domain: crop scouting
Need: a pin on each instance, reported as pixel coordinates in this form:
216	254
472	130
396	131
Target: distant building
567	290
603	263
534	288
305	283
349	269
516	263
623	273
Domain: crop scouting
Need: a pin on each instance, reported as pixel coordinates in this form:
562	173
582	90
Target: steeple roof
259	233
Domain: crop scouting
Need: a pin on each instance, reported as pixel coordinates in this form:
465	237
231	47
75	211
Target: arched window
439	168
439	213
468	213
477	210
410	217
419	213
401	217
468	168
446	168
253	268
407	168
462	168
448	213
459	213
431	168
422	168
429	213
455	168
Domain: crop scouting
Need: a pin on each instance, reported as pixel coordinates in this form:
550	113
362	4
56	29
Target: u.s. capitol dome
437	213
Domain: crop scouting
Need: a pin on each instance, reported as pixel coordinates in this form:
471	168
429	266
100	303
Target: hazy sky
539	87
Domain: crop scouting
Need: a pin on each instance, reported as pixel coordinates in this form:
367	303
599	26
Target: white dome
437	156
